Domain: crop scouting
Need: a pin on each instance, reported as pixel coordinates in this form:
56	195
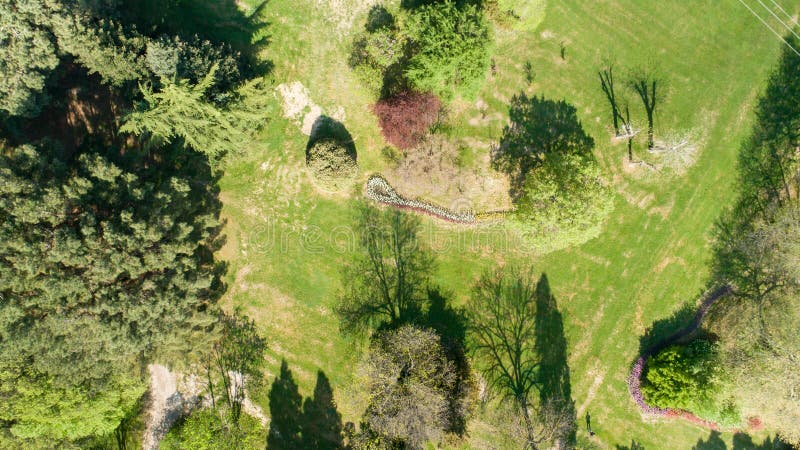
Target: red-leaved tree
407	117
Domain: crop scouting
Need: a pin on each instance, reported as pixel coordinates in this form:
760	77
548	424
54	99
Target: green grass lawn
287	241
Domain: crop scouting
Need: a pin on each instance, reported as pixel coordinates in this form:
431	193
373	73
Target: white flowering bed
379	190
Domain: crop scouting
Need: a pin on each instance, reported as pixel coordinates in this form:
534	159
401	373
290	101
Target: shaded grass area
286	242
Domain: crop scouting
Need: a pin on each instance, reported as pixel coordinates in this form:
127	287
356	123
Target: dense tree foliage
209	429
88	239
556	183
107	242
756	251
681	376
181	110
450	49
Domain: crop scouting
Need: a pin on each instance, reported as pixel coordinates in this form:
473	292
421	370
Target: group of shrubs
410	59
413	57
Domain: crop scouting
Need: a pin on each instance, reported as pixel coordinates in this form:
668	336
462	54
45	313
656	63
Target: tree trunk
531	444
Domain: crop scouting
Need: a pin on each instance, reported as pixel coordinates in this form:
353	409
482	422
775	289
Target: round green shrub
332	164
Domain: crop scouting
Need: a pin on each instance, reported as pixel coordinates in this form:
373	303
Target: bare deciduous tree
235	360
409	379
387	281
502	315
645	83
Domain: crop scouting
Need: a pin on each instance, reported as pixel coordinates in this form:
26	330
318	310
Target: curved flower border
635	377
379	190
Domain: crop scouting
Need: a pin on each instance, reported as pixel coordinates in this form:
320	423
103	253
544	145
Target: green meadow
287	240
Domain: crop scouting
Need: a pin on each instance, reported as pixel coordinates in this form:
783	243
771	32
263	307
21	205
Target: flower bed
635	377
379	190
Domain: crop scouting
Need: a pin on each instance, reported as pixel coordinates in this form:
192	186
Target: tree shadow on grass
656	338
539	127
451	325
551	346
634	446
313	424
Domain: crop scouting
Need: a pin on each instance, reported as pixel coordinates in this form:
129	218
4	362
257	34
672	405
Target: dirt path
635	377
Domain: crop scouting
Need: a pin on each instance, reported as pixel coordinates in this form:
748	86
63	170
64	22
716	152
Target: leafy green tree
180	110
449	47
376	56
557	186
681	376
43	412
211	429
565	199
102	46
385	284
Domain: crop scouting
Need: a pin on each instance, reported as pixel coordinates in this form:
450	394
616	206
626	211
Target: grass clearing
287	241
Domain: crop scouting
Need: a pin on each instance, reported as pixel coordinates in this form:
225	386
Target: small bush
376	55
332	163
682	376
405	119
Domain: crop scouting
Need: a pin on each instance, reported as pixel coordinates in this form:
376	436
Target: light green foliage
27	55
209	429
332	164
180	109
557	186
758	253
681	376
565	201
44	412
375	53
521	15
450	46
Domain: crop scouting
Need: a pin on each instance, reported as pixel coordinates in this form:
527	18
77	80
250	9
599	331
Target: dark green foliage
331	154
209	429
103	265
27	56
681	376
385	284
556	183
450	49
